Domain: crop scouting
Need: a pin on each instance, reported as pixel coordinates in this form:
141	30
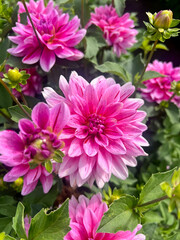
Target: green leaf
152	189
92	47
54	225
5	224
17	113
161	46
114	68
173	113
49	166
38	199
174	23
120	215
7	237
5	98
18	222
4	45
2	236
120	6
175	236
151	74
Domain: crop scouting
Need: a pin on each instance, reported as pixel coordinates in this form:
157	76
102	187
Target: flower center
41	146
96	123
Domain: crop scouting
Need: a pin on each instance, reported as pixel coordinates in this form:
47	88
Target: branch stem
14	98
34	29
153	201
147	62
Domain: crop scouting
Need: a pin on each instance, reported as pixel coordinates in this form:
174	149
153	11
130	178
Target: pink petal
40	115
75	148
64	86
101	140
119	168
82	132
28	188
11	142
116	147
47	60
86	165
32	57
16	172
26	126
59	116
47	182
126	91
33	175
90	146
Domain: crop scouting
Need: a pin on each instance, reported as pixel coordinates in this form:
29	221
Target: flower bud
14	75
163	19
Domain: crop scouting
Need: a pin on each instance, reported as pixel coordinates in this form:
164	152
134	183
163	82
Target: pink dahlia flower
118	31
157	89
85	218
37	141
56	34
104	133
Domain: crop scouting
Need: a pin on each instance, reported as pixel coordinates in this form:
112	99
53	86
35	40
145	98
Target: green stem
153	201
113	3
82	13
23	99
14	98
23	1
174	94
147	62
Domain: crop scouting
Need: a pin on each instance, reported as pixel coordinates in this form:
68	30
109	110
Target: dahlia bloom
118	31
36	143
57	36
85	218
104	133
157	89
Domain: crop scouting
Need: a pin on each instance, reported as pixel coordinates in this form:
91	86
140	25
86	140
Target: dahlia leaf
5	237
174	23
52	226
152	189
120	6
120	216
115	69
92	47
18	221
151	74
17	113
173	113
4	45
6	224
5	99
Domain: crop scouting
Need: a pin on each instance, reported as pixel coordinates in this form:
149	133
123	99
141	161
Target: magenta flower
85	218
104	133
157	89
36	143
118	31
57	37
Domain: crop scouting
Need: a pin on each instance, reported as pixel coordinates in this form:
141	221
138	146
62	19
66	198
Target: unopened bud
14	75
163	19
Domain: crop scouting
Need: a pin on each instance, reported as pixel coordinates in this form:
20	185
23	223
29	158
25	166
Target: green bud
49	166
14	75
163	19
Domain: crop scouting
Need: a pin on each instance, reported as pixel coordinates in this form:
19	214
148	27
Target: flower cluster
104	133
158	89
35	145
85	217
118	31
57	36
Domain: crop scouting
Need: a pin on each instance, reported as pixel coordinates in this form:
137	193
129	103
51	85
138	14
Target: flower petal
40	115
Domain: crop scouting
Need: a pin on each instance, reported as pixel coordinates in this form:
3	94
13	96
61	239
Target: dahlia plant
89	121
